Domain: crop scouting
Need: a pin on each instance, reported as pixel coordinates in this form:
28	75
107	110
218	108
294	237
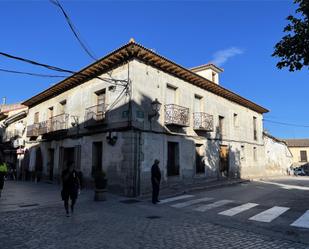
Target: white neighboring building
278	156
13	133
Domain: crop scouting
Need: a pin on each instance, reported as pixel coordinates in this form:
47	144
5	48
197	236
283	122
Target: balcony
176	115
203	121
33	130
95	115
56	123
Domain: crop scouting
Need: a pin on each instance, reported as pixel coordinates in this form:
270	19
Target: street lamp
155	106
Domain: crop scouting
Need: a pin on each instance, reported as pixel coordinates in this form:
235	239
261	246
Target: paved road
183	223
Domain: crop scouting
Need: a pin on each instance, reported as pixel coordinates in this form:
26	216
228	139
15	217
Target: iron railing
203	121
176	115
56	123
33	130
59	122
95	113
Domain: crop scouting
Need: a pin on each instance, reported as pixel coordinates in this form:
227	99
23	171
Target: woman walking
3	172
70	187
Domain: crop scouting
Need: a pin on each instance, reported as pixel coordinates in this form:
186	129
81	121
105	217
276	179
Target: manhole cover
130	201
29	205
153	217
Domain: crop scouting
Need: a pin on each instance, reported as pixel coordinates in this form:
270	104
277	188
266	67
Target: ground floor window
172	159
97	156
199	164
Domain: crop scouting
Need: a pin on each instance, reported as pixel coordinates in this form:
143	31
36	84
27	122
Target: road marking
269	214
302	221
285	186
175	198
191	202
239	209
216	204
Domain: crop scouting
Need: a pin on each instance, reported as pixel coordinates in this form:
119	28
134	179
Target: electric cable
32	74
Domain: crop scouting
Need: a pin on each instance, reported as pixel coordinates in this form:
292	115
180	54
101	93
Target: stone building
133	106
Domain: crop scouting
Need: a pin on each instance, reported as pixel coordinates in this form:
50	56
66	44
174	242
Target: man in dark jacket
70	187
155	180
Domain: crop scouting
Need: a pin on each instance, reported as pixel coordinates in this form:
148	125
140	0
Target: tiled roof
131	51
297	142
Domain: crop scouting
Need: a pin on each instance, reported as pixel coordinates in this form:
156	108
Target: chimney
209	71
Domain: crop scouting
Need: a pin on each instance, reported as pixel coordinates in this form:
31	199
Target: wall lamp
155	106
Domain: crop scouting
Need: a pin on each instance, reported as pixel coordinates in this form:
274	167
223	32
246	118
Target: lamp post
155	106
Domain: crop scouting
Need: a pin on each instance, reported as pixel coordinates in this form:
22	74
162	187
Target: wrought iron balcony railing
176	115
203	121
33	130
43	127
59	122
95	114
56	123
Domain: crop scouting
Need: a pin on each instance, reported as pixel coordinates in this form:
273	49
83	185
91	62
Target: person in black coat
155	180
70	187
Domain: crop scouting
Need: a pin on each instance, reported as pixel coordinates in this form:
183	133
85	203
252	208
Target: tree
293	49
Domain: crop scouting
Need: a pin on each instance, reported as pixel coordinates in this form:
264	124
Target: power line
77	35
36	63
32	74
58	69
74	30
286	124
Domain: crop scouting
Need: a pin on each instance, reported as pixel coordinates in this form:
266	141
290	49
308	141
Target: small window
254	128
213	76
221	125
242	153
36	117
235	118
50	112
63	105
254	154
303	156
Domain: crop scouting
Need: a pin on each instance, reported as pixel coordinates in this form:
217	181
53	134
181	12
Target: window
50	112
197	103
170	95
254	128
97	151
235	119
172	159
199	164
63	105
254	154
101	100
221	125
213	76
242	153
303	156
36	117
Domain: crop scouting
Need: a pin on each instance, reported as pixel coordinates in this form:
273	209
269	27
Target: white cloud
221	56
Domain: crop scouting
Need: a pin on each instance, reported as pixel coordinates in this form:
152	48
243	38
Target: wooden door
224	160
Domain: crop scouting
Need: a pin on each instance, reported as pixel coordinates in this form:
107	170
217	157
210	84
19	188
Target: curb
199	188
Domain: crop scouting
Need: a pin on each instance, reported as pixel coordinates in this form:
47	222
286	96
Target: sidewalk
20	195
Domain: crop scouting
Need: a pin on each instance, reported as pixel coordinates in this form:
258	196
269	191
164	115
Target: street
227	217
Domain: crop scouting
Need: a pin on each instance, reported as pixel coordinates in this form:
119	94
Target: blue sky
239	35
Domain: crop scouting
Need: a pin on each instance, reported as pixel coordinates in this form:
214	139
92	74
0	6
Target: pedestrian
70	187
155	180
3	172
